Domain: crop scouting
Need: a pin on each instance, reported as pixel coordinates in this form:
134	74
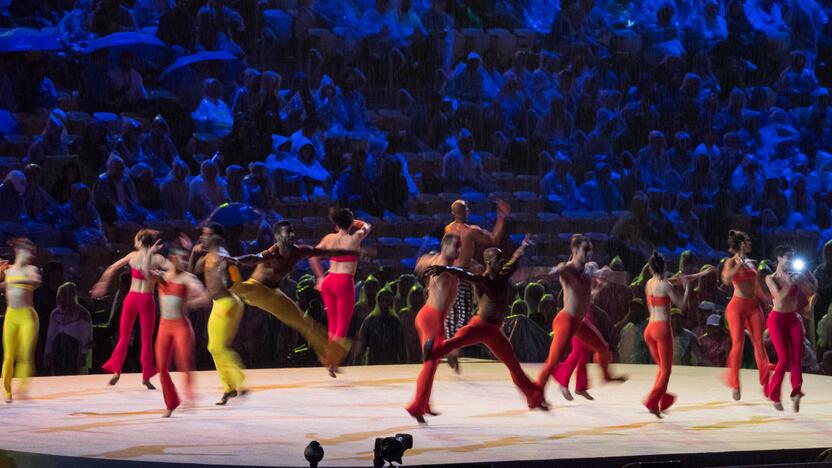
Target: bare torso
657	312
468	236
136	263
341	241
441	289
577	291
279	265
214	270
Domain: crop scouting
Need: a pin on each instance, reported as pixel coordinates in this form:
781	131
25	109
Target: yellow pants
284	309
20	335
222	328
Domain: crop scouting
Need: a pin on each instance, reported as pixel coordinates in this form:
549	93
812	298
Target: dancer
210	258
178	291
430	321
472	236
338	287
20	328
494	292
139	301
658	336
261	289
576	283
785	325
743	311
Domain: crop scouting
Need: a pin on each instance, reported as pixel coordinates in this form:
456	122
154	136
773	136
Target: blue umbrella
28	40
140	44
234	214
180	67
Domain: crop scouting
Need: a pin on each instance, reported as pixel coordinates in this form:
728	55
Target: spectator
467	85
52	142
70	334
44	298
715	343
352	100
558	186
247	99
80	217
258	189
685	344
407	317
114	194
129	143
462	167
149	196
823	274
12	204
177	25
125	84
631	346
392	193
381	335
176	192
600	193
207	190
112	17
213	116
61	189
39	204
157	148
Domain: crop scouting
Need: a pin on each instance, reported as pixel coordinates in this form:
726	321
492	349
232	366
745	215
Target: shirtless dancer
471	236
430	321
226	312
494	291
576	283
261	289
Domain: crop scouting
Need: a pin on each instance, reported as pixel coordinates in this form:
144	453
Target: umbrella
180	66
28	40
234	214
143	45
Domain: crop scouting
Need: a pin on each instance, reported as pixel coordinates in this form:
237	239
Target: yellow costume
20	335
222	327
275	302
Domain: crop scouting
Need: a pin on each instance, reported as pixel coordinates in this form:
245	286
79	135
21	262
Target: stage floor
483	418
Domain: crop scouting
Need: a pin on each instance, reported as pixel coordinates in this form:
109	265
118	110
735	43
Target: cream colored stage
483	418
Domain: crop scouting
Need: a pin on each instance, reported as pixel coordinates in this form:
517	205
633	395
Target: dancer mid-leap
785	326
261	289
576	283
494	291
744	312
139	301
430	321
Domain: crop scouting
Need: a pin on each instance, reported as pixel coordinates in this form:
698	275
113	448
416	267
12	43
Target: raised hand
156	247
185	241
527	241
503	208
98	290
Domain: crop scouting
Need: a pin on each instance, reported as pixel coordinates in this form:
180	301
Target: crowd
677	119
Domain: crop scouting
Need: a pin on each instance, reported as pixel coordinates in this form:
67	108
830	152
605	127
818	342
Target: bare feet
226	396
778	406
585	394
419	417
566	394
796	402
149	385
736	395
453	362
114	379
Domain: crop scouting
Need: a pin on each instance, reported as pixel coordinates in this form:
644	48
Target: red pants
575	362
743	313
492	336
565	327
786	332
659	339
430	323
338	293
174	337
143	305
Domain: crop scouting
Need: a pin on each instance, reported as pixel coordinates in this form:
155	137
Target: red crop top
173	289
136	273
658	301
745	273
344	259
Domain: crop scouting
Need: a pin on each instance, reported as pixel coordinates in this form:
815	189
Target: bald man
471	236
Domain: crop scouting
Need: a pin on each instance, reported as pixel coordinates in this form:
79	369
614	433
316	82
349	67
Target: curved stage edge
79	421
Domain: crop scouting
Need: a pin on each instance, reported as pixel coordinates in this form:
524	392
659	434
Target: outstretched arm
514	262
362	228
459	273
197	295
490	239
100	288
255	259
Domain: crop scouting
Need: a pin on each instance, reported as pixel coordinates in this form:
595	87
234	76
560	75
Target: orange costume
744	313
659	339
